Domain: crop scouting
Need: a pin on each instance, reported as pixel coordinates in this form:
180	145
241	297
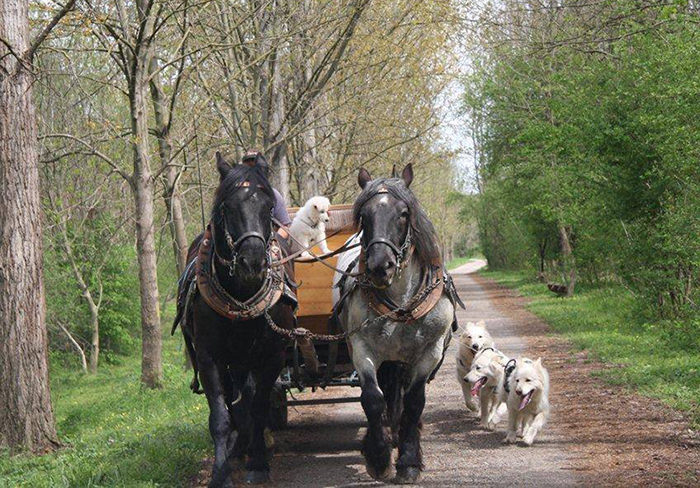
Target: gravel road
321	446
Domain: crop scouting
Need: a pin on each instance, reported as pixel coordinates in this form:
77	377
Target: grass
604	321
115	432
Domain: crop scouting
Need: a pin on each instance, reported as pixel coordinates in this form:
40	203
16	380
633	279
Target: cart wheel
278	408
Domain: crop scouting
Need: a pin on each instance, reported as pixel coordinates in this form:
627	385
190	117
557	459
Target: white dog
486	380
528	400
309	225
473	338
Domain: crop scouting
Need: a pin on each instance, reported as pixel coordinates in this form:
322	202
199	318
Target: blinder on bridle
234	245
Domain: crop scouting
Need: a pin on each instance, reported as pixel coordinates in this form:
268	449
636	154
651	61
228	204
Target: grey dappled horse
394	360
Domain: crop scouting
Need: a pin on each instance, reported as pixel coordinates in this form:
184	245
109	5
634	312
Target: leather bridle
400	252
234	245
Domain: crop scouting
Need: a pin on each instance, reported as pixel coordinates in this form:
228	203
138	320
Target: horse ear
407	175
222	165
394	171
538	363
363	177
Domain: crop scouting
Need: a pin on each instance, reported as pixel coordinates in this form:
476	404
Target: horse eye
528	380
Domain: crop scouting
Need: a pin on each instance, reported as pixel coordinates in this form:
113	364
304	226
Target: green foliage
121	320
606	145
116	433
105	266
605	321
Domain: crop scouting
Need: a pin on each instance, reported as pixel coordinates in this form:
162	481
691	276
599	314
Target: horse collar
221	301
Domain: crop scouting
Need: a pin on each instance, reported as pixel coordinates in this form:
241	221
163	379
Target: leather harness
224	304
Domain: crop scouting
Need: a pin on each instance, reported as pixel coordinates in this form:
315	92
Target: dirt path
596	434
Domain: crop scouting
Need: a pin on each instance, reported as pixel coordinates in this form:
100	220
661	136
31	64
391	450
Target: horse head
242	220
385	210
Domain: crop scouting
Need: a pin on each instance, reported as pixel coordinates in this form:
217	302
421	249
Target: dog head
486	370
318	209
475	337
528	380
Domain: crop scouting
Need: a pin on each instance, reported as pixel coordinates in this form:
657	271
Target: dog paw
491	426
528	440
473	408
510	439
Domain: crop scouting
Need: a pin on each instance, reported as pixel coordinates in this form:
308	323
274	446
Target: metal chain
302	332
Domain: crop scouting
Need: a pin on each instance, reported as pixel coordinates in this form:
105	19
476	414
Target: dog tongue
477	386
525	400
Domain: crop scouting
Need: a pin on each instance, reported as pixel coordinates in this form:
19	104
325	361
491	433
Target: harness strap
220	301
382	240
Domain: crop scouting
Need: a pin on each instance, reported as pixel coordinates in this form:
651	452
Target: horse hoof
256	477
226	483
378	475
237	463
407	476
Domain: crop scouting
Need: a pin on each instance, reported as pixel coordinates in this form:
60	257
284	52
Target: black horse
227	296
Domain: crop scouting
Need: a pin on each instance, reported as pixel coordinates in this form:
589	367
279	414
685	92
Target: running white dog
528	400
309	225
474	338
486	380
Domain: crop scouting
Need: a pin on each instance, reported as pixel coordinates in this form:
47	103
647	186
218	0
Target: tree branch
47	30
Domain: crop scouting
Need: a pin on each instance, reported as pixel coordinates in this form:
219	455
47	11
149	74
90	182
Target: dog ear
363	177
407	175
538	363
481	323
222	165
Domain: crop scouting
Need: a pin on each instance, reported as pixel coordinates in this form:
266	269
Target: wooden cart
315	364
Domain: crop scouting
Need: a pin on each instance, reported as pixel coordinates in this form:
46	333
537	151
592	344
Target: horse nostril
389	264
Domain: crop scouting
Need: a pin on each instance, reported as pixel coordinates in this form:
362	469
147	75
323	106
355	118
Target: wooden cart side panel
316	280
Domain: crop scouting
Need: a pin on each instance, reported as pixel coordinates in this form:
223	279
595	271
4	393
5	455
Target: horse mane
424	237
239	174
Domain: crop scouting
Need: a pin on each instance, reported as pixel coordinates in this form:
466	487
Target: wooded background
580	119
585	128
132	99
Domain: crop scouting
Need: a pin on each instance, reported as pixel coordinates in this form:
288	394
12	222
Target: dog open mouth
525	399
477	386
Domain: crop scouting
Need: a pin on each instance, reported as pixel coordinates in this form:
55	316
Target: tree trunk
173	203
81	353
26	415
568	259
95	341
142	187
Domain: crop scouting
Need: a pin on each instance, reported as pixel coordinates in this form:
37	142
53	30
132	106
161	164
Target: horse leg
240	417
389	379
376	446
410	461
219	421
258	465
